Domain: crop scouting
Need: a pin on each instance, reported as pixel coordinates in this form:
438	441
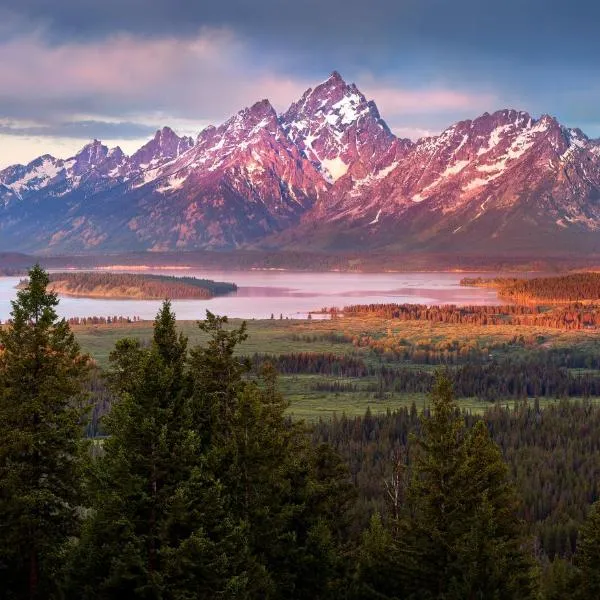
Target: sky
116	70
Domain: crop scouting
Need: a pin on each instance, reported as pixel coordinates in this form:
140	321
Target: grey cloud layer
531	30
536	55
83	130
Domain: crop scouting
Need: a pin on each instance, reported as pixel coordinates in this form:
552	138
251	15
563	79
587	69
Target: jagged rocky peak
116	154
333	103
165	144
33	176
91	154
245	128
506	132
339	131
259	115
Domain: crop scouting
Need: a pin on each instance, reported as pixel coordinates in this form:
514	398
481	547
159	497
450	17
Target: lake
287	293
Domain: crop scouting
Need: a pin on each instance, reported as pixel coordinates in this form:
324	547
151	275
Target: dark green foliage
133	481
588	555
204	489
457	535
41	380
553	457
323	363
377	574
560	580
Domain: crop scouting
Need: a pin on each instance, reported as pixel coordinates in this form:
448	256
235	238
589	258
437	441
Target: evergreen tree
461	525
41	378
377	575
588	554
132	483
455	534
560	580
204	488
288	499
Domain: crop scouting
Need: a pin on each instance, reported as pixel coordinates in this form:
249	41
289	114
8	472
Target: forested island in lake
136	286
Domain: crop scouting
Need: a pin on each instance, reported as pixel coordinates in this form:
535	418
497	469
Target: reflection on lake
293	295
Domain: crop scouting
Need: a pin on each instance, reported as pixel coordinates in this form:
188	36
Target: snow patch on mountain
334	168
171	184
38	176
376	219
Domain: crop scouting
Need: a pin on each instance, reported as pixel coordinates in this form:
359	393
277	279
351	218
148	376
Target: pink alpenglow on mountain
326	174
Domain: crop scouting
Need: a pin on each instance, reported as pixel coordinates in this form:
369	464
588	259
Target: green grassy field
281	336
285	336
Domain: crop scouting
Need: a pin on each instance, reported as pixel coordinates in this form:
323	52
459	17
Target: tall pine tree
204	488
121	553
41	379
286	499
457	535
587	557
462	524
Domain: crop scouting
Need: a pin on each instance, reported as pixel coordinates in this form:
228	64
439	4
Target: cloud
82	130
119	68
205	77
379	31
209	76
394	101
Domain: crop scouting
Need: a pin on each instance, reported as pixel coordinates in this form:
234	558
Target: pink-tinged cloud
183	82
210	76
395	101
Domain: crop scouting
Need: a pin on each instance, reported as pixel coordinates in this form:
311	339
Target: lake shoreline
281	294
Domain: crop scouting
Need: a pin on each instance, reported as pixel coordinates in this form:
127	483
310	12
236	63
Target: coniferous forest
201	487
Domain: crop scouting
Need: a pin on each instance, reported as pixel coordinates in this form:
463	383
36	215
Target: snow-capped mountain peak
327	169
165	145
338	130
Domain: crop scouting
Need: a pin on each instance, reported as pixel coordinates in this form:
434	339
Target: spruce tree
132	483
283	500
377	576
41	379
205	489
588	555
460	534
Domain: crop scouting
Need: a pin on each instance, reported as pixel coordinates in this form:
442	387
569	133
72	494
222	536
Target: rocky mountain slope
326	174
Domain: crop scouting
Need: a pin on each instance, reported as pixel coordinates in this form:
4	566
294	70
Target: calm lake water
262	293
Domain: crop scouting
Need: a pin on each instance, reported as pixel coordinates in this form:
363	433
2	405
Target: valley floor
376	343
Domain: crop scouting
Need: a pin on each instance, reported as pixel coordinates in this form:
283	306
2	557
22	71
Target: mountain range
326	175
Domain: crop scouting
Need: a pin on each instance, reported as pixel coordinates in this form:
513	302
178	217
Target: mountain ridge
326	174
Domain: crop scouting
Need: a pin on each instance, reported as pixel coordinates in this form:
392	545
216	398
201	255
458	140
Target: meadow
377	342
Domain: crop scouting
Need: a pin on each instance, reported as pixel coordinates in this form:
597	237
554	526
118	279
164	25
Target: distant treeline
508	379
332	337
572	316
575	287
310	261
537	375
553	455
495	381
136	285
95	320
322	363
